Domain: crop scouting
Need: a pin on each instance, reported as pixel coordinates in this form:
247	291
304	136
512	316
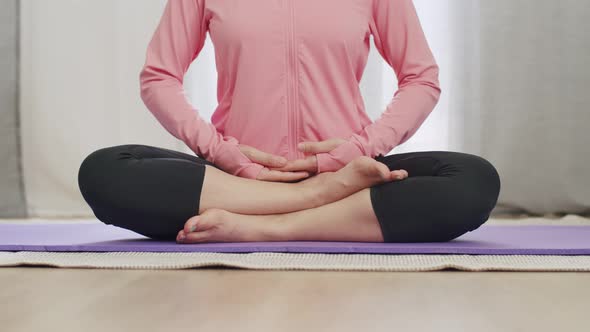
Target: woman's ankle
316	190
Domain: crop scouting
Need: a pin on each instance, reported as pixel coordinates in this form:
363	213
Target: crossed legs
323	207
165	194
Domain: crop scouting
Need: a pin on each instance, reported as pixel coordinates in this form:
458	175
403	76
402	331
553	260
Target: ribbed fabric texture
286	261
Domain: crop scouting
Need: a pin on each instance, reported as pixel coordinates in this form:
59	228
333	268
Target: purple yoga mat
487	240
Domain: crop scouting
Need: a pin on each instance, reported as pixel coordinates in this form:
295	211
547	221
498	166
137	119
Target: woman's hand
309	164
270	160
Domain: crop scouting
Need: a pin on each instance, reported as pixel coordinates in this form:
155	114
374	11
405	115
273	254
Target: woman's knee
483	180
469	199
475	197
460	204
95	170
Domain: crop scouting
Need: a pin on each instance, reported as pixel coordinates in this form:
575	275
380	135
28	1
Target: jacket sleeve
399	38
177	41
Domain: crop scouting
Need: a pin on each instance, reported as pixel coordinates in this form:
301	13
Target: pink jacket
289	72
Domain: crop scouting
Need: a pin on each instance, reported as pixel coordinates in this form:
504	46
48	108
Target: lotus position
290	153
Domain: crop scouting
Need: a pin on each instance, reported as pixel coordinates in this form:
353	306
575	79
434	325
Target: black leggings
153	191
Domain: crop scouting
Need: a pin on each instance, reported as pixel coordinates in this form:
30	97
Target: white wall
80	92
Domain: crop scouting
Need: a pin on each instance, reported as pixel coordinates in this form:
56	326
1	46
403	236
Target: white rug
289	261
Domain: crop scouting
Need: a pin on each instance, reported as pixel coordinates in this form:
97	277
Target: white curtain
513	76
80	64
520	86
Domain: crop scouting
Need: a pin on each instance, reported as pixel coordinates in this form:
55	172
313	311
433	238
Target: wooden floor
49	299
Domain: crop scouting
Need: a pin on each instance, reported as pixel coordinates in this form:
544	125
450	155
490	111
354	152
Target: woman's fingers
308	164
320	147
263	158
279	176
270	160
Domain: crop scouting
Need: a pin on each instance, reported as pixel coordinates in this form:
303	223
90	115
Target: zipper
293	83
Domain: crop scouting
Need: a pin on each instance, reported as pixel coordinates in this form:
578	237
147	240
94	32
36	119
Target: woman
291	153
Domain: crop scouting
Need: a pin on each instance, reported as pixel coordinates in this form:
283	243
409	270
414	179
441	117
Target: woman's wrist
231	159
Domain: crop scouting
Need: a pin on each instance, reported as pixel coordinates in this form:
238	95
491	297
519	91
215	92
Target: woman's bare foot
362	172
216	225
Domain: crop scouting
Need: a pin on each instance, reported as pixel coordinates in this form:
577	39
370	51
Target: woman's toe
196	229
382	170
192	224
181	236
198	237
